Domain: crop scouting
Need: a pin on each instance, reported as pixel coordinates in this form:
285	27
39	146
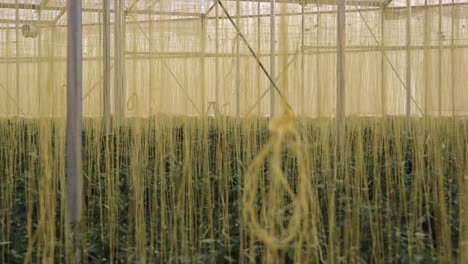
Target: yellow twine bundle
283	132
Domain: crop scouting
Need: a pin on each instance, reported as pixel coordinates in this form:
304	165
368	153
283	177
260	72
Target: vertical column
259	46
119	59
135	93
217	57
427	59
74	112
106	66
122	39
439	77
161	81
202	64
383	103
40	108
52	84
317	65
238	59
18	100
452	57
408	64
272	55
117	66
7	103
340	71
100	54
302	61
151	71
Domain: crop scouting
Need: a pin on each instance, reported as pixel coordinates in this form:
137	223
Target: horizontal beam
376	3
321	2
94	10
357	48
350	9
191	19
146	12
299	2
13	21
24	6
196	18
130	55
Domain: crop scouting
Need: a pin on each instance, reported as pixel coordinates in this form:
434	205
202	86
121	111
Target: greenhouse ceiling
52	11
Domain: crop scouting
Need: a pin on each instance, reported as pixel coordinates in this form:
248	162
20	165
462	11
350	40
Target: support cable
385	55
252	52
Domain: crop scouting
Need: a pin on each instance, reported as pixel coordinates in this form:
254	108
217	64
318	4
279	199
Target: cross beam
323	2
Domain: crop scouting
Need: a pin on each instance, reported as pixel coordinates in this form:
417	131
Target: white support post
100	54
340	71
119	60
134	92
272	56
217	56
202	64
40	88
53	85
259	46
106	66
74	112
439	77
151	71
122	38
18	101
408	65
6	103
383	103
238	60
427	58
302	61
452	57
117	70
317	65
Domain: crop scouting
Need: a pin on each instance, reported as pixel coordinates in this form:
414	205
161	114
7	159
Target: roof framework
58	9
144	13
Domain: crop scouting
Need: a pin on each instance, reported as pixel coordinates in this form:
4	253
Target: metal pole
52	84
217	56
317	65
7	72
302	61
272	55
100	55
18	101
106	64
39	67
408	65
439	88
340	71
74	112
382	65
427	58
151	72
136	106
122	39
259	46
119	100
202	64
452	57
237	60
117	70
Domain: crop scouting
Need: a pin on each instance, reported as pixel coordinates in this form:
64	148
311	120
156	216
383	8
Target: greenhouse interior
234	131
